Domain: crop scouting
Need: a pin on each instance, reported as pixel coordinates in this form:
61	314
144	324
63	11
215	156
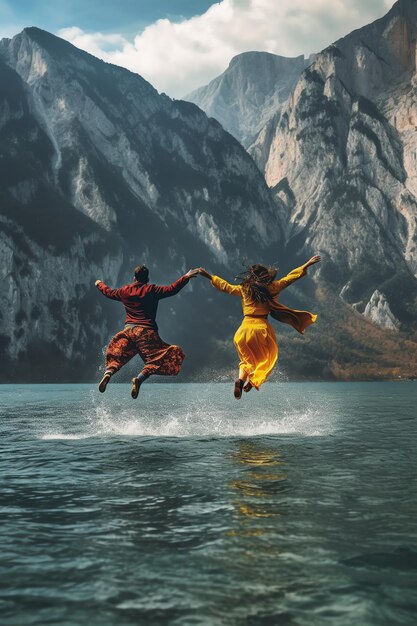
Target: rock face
100	172
379	312
342	159
250	92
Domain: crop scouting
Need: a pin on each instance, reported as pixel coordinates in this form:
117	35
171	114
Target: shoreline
219	382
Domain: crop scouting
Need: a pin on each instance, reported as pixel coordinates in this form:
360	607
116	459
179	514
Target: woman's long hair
255	280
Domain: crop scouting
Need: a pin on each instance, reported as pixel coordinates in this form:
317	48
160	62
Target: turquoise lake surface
295	506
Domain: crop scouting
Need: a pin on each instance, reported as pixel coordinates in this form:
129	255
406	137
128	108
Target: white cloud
177	57
96	43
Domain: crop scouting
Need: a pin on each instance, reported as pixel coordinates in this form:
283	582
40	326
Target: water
295	506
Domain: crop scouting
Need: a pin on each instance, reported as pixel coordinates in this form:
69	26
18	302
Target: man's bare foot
104	382
135	388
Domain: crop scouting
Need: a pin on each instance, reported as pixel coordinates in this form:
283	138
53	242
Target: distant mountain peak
249	92
250	56
52	43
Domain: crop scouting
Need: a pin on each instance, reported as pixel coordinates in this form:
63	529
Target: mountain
340	154
250	92
342	158
99	173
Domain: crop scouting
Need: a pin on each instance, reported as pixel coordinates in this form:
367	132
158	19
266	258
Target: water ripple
295	506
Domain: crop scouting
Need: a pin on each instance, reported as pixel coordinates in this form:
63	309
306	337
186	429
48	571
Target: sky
179	45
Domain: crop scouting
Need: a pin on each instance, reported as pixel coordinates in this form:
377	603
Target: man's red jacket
141	300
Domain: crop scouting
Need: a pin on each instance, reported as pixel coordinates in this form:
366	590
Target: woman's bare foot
238	388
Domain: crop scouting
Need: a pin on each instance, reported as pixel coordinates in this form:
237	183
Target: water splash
200	411
206	423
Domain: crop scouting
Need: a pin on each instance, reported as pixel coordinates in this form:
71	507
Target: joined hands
198	271
204	273
192	273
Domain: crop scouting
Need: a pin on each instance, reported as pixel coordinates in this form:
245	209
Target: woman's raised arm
220	284
298	272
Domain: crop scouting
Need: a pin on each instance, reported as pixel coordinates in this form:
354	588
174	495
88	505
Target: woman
255	339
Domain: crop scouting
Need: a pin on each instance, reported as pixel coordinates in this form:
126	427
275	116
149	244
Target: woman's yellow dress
255	339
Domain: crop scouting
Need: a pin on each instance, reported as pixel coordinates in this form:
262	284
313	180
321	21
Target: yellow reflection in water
250	511
257	490
250	454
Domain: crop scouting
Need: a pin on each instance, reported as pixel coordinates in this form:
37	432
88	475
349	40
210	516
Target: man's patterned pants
158	356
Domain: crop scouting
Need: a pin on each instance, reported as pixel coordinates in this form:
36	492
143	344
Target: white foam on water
161	415
51	436
209	423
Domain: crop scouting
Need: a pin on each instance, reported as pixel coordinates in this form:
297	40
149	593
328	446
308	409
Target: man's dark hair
141	273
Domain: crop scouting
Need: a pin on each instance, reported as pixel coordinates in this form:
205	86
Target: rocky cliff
339	151
101	172
342	158
250	92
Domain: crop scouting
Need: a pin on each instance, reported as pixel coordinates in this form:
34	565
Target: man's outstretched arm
166	291
113	294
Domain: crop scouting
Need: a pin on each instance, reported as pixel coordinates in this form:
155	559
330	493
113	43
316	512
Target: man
140	334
